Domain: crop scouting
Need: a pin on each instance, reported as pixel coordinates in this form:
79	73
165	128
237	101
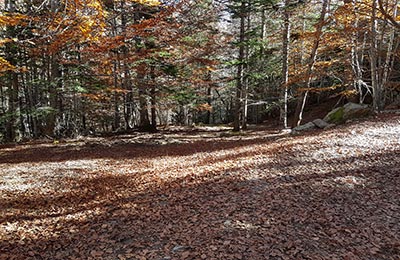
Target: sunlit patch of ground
44	176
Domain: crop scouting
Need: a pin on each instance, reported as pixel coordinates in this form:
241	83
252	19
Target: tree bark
246	78
285	63
376	87
389	59
153	100
144	121
13	89
301	102
239	74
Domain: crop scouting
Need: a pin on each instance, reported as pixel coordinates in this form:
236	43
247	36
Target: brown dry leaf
185	255
95	253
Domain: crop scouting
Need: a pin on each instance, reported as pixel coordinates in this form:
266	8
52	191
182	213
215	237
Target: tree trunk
239	74
116	118
245	79
55	83
355	59
11	125
285	63
209	102
144	122
13	89
301	102
376	87
153	99
127	80
263	34
389	59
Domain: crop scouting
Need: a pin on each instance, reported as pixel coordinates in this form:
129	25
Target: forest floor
204	193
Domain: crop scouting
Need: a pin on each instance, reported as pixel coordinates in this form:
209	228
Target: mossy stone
336	116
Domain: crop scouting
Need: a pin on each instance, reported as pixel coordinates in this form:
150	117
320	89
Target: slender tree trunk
263	31
209	102
303	98
355	59
153	108
128	108
55	81
33	97
239	74
144	122
11	126
13	88
285	63
127	80
376	87
245	79
153	100
116	123
389	60
117	117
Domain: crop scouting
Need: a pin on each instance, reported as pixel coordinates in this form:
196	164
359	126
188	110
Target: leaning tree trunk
304	94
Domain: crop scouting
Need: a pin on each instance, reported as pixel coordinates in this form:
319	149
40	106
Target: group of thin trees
78	67
318	49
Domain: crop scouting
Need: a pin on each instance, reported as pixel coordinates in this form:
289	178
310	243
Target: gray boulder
353	110
349	111
329	126
305	127
320	123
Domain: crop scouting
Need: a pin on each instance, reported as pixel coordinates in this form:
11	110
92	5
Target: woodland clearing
206	194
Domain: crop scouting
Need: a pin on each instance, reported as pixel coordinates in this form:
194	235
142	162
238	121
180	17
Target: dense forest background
86	67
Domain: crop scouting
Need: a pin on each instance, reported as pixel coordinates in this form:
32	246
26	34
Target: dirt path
206	195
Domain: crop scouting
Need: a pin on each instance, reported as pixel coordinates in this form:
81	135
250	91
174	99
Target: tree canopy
70	68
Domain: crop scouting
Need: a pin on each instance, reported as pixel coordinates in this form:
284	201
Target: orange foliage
5	66
204	107
12	19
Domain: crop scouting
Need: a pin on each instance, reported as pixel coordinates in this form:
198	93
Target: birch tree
285	61
298	117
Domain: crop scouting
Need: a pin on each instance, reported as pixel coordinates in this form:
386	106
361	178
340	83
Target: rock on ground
308	126
349	111
320	123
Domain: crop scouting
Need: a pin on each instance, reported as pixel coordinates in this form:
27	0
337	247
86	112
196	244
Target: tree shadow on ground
146	148
305	215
